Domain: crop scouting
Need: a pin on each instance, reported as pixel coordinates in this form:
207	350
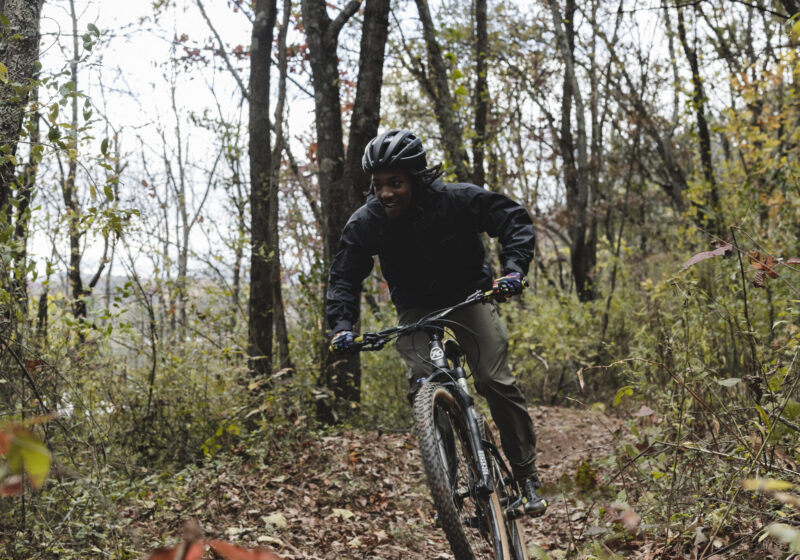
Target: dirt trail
363	494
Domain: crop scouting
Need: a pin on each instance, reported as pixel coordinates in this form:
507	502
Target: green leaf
4	21
538	553
796	30
763	414
67	88
28	453
52	115
730	382
626	391
104	147
93	28
3	73
768	484
37	151
109	192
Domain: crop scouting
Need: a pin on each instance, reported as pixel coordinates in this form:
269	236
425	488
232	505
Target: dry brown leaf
644	411
195	551
719	251
228	551
12	486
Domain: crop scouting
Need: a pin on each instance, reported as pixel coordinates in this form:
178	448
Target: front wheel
474	525
507	493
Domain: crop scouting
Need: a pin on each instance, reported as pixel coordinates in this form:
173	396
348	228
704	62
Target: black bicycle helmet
400	149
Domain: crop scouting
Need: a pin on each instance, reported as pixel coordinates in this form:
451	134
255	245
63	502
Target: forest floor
361	494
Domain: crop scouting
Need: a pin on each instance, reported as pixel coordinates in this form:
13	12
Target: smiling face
393	189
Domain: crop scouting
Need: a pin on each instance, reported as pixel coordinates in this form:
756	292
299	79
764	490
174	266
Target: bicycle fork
483	486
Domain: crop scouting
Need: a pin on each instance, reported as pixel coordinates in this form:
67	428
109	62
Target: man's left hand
506	286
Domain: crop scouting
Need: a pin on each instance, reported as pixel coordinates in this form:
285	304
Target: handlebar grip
490	295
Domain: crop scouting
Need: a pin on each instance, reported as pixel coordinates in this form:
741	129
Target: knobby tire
502	481
474	526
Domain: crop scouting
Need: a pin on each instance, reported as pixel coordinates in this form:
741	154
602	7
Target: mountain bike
478	501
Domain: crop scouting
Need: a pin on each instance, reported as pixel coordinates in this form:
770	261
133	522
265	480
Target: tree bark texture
792	6
19	51
367	106
712	218
481	95
575	158
19	254
281	332
438	87
262	254
69	189
341	180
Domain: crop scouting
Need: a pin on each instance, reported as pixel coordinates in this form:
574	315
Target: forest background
172	189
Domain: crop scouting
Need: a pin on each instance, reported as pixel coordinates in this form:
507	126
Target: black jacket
431	257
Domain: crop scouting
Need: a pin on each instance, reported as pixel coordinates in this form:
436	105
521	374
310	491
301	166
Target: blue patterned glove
506	286
342	341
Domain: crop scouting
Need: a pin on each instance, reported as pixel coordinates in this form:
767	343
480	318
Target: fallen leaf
630	519
12	486
228	551
644	411
276	520
195	552
343	513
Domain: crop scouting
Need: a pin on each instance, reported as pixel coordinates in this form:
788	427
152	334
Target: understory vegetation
657	149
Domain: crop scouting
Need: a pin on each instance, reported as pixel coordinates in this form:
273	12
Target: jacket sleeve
501	217
351	265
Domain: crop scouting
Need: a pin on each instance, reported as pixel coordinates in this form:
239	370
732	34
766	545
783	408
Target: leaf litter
362	494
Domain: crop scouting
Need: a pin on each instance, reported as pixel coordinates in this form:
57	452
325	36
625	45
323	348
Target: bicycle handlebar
369	342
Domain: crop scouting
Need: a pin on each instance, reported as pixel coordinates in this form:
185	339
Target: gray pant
483	336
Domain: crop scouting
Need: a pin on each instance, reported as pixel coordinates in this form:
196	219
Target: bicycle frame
455	380
488	480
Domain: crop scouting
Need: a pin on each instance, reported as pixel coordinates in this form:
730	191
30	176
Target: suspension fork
484	485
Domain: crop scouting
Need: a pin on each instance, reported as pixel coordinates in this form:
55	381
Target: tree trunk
19	253
363	127
261	258
75	229
481	95
576	179
438	88
70	189
342	185
792	6
19	51
712	219
281	332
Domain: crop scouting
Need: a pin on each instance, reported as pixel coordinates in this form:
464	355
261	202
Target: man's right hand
342	341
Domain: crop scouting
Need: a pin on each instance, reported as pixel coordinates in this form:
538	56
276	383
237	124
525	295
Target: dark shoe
534	504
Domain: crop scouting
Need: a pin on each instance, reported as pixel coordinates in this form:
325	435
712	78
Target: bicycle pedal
514	513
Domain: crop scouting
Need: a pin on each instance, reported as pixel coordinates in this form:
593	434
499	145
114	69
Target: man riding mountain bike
426	234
